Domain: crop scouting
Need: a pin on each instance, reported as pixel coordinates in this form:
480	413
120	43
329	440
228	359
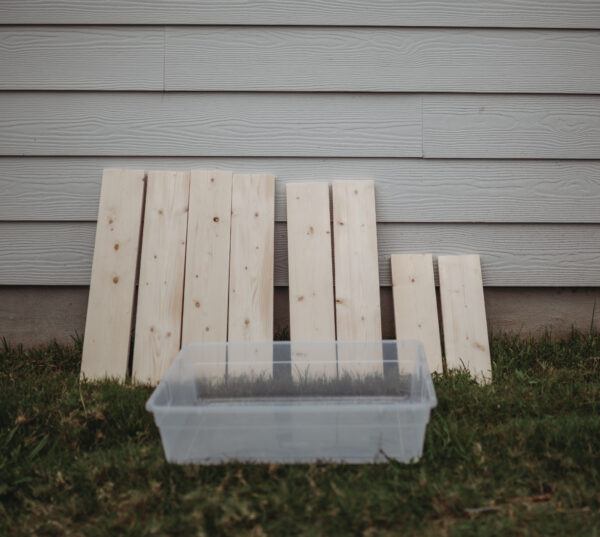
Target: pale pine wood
415	304
207	257
358	314
312	316
251	264
160	295
463	312
112	286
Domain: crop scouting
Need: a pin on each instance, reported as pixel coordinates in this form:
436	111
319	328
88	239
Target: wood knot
160	211
207	329
116	246
116	279
255	215
246	322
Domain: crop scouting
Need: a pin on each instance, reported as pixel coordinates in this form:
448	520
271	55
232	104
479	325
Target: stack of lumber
200	246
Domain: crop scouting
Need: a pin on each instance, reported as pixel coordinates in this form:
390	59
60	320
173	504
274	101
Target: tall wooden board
112	285
251	266
358	313
207	257
463	312
312	315
160	294
415	304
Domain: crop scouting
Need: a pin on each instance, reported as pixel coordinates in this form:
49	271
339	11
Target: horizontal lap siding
408	190
60	253
299	59
478	139
461	13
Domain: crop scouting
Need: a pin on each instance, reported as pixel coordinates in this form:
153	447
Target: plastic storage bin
290	402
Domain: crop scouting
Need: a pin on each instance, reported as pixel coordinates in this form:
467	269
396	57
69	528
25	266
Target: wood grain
312	316
251	268
113	279
81	58
209	124
500	126
357	307
409	190
207	258
533	255
463	13
466	342
415	304
162	265
382	60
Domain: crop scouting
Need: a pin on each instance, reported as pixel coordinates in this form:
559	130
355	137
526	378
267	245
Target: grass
518	457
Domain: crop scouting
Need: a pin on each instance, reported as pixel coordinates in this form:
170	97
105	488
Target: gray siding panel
60	253
407	190
81	58
503	126
464	13
239	124
362	59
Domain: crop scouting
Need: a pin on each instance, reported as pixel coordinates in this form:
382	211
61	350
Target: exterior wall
480	123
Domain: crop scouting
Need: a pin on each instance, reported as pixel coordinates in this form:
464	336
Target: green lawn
518	457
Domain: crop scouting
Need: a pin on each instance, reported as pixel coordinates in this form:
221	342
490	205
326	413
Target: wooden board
206	290
160	294
209	124
112	286
251	267
359	59
463	13
82	58
408	190
535	255
358	313
312	317
511	126
463	313
415	304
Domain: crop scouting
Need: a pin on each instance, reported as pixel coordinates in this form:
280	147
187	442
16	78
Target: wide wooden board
112	285
415	304
251	267
160	294
312	316
358	313
466	342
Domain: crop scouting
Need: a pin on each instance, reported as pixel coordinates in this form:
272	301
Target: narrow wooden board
160	295
358	313
312	317
112	287
206	290
251	266
415	304
463	312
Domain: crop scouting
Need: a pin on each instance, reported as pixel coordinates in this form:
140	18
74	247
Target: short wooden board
463	312
160	295
358	312
251	266
112	285
415	304
312	317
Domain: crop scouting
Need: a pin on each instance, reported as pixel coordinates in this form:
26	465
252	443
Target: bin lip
429	400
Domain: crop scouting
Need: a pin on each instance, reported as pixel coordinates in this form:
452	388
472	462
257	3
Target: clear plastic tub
353	402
